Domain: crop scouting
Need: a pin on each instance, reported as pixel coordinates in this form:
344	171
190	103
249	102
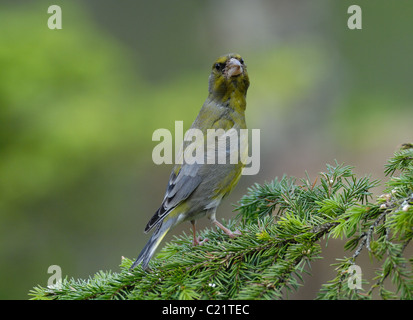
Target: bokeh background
78	107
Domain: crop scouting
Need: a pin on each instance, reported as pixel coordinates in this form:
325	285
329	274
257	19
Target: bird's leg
231	234
211	216
196	241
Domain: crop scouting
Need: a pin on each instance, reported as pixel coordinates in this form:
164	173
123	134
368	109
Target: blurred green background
78	107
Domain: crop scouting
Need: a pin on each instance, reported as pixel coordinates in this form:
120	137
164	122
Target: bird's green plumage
196	190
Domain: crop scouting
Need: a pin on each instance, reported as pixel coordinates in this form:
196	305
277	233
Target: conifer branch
282	223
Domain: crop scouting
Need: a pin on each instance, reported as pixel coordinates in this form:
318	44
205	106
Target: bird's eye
241	60
219	66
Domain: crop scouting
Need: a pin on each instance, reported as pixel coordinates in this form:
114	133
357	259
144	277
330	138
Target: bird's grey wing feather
180	187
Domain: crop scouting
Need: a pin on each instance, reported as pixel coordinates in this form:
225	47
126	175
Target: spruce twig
282	223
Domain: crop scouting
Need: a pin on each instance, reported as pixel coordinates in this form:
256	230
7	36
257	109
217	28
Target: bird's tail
150	247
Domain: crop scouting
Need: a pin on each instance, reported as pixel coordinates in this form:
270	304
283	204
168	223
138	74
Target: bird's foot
230	234
198	242
234	234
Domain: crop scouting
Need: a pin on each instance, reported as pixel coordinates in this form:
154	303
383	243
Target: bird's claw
235	234
198	241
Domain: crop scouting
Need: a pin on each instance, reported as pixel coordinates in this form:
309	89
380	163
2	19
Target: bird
195	190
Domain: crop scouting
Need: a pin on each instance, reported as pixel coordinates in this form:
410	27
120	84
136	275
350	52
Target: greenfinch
196	189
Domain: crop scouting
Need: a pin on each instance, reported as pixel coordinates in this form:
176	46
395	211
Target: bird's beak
234	68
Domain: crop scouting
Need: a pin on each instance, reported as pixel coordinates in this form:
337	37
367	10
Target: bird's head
228	77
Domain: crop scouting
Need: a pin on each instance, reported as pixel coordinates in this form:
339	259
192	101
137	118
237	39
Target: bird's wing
183	181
